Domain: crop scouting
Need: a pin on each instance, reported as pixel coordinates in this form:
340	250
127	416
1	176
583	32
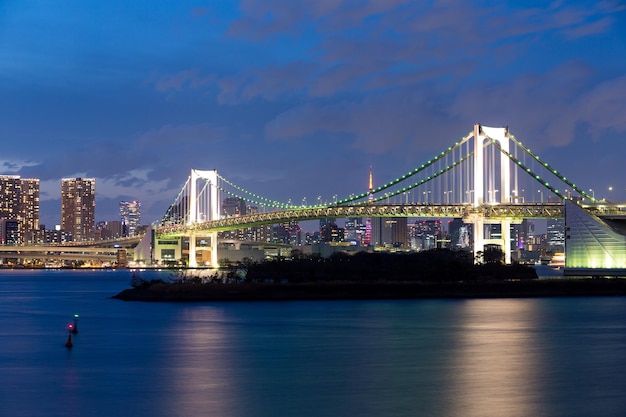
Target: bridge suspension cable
552	170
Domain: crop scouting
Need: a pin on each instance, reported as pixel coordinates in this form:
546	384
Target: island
380	276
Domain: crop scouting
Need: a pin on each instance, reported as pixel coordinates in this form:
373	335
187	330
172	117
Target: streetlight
446	195
469	194
303	201
491	195
541	192
425	193
593	194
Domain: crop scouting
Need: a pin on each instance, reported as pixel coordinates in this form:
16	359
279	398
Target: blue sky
298	98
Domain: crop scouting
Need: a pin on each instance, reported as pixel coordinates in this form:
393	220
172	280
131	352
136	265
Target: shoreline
159	291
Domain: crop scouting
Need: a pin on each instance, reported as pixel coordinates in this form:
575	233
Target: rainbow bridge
486	177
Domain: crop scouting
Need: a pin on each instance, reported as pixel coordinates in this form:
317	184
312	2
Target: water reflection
199	363
497	366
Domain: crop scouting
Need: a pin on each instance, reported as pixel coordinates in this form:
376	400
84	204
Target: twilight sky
291	98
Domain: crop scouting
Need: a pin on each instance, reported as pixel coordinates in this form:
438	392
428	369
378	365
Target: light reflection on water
511	357
497	367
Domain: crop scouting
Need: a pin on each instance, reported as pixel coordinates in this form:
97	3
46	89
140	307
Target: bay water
472	357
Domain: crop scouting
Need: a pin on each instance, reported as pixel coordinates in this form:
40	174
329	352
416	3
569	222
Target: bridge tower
206	209
487	196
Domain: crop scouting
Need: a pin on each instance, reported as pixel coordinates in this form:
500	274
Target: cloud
181	136
394	122
549	108
360	46
186	79
271	83
11	166
603	106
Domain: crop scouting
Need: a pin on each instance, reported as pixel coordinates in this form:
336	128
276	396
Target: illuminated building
78	206
19	200
330	232
367	240
9	232
355	230
233	207
109	230
29	208
593	246
556	235
425	234
130	215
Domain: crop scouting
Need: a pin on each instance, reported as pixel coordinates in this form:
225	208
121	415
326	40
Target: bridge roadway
102	250
59	252
496	212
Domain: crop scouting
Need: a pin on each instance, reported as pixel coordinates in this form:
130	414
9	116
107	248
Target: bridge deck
465	211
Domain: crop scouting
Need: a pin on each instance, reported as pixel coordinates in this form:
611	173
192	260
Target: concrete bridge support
478	222
206	208
193	249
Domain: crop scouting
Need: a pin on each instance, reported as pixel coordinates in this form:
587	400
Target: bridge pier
193	262
506	237
478	221
193	259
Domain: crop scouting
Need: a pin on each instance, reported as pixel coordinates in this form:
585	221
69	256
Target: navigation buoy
75	328
69	344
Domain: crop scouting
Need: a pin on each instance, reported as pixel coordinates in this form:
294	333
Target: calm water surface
508	357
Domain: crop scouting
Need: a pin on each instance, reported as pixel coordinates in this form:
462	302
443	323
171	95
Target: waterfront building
10	192
29	208
9	232
19	200
78	206
44	236
109	230
130	215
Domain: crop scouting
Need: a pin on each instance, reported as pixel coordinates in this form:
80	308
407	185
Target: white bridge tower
203	209
483	196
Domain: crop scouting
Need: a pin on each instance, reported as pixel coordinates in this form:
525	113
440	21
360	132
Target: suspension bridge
486	177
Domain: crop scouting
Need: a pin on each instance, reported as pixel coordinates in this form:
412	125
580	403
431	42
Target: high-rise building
367	240
355	230
10	192
233	207
29	208
9	232
78	207
556	235
389	232
19	200
130	215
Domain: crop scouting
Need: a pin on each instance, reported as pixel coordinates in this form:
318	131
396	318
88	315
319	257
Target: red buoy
69	344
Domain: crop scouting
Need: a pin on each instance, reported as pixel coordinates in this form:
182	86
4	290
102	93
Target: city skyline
294	100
